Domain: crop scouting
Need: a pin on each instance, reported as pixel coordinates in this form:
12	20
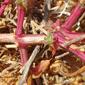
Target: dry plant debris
42	42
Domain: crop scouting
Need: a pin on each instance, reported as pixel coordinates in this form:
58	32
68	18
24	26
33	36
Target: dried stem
62	55
26	67
81	70
8	68
45	80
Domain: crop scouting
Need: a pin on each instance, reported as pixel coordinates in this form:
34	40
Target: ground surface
59	71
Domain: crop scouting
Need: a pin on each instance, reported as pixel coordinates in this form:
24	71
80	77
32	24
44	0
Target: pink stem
31	39
37	39
19	32
23	55
69	34
73	18
57	24
64	34
60	36
78	53
7	38
60	39
21	14
24	39
3	6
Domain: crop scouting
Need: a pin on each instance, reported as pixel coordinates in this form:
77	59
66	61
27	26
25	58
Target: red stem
61	40
23	55
21	15
73	18
64	34
19	32
78	53
3	6
33	39
60	36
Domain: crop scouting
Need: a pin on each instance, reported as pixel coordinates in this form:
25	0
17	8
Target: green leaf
77	59
23	3
49	38
19	1
1	0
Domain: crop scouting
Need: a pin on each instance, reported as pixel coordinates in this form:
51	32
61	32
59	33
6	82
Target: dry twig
26	67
